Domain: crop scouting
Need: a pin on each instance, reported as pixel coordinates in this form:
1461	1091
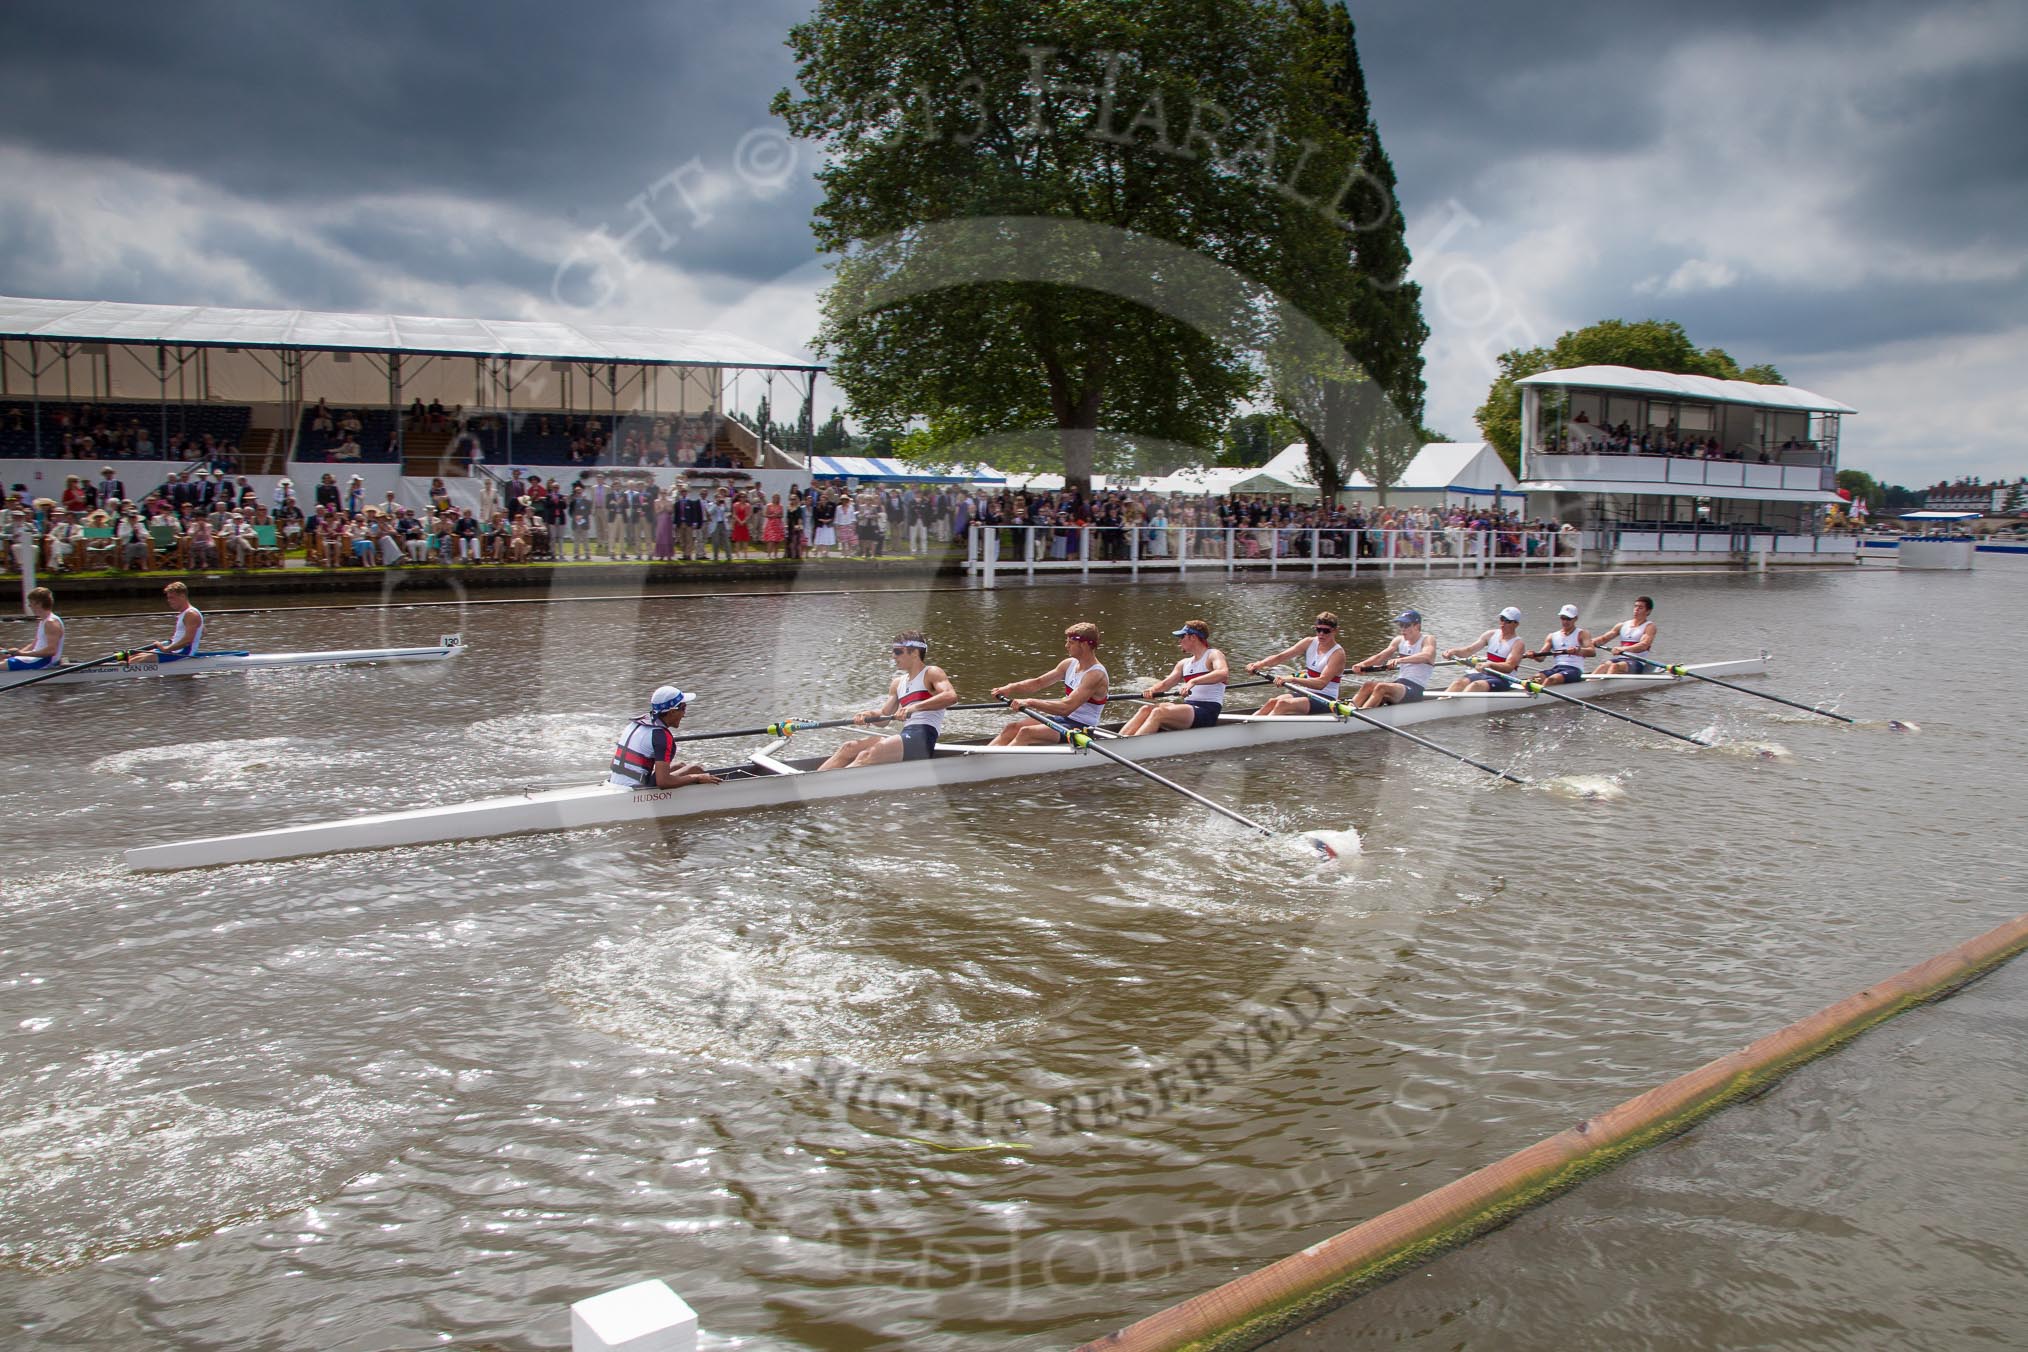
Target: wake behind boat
765	780
203	663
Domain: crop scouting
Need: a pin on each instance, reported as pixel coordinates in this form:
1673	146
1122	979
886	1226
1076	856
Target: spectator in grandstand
237	539
200	545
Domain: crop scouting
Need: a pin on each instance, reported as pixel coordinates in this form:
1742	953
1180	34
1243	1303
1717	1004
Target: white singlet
1084	715
1500	649
41	632
175	649
1564	647
1631	632
1208	693
1314	658
914	690
1419	672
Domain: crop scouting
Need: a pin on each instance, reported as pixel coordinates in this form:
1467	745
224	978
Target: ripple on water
122	1152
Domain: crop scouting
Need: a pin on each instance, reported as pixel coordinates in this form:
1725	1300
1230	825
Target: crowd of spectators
1169	525
84	431
1581	438
204	518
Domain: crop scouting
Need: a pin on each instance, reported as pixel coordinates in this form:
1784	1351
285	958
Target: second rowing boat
210	662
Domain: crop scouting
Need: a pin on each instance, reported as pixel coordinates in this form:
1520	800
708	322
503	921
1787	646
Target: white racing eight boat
208	662
765	780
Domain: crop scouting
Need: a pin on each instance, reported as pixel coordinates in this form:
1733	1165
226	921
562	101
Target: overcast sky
1839	188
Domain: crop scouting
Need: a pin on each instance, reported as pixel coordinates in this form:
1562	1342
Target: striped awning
874	469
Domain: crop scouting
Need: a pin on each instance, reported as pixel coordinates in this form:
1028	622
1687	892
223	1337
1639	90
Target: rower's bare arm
1374	660
1279	658
1091	689
1586	646
1175	675
942	693
1647	644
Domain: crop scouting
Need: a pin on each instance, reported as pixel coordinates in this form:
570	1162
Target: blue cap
1409	617
1188	629
667	698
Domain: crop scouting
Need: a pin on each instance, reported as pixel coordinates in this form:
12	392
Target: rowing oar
1343	710
790	726
1538	688
781	729
1084	742
57	671
1749	690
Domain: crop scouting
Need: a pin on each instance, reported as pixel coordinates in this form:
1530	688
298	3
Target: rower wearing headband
1323	667
919	693
1201	676
646	755
1085	686
1630	638
1503	646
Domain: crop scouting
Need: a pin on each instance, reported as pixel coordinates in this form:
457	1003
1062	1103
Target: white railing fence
1315	552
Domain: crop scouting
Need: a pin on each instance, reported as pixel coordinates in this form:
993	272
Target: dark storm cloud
564	112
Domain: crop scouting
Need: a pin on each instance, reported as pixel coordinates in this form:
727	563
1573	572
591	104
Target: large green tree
1224	130
1647	345
1373	310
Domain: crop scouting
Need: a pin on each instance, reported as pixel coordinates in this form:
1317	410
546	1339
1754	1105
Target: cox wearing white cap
1503	648
1566	648
646	755
1411	656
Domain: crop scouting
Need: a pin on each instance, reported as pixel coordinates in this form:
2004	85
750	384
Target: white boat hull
203	665
760	784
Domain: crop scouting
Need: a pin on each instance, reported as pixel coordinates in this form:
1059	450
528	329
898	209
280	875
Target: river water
999	1065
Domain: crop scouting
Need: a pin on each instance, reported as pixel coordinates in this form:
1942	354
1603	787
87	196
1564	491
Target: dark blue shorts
1493	679
1570	675
918	740
1410	691
1639	666
27	663
1203	713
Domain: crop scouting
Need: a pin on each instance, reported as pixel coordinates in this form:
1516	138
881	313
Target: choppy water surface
1004	1065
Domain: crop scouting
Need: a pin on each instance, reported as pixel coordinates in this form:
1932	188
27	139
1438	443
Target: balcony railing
1693	475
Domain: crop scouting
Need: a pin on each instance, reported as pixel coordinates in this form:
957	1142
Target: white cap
1511	613
666	698
1567	613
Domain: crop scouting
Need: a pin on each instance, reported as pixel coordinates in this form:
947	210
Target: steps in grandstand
261	451
428	453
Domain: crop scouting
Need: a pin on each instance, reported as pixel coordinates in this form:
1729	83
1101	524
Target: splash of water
1594	788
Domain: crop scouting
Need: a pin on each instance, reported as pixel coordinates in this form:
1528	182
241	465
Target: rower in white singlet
1323	667
1201	675
918	695
189	630
1630	639
1085	686
1503	647
1566	648
1412	658
46	650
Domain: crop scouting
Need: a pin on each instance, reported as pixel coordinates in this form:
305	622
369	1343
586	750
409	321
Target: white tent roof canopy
318	330
1440	466
1671	385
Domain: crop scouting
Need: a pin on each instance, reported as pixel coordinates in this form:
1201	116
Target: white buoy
644	1317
